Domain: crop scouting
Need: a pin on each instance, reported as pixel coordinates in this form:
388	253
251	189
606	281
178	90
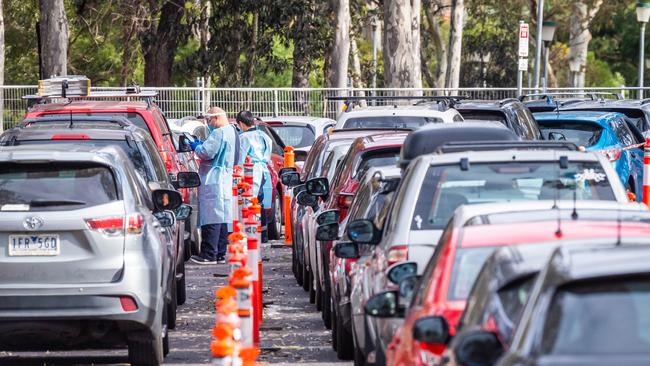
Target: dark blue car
607	132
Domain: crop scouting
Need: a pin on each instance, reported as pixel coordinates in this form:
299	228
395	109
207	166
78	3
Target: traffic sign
523	64
523	39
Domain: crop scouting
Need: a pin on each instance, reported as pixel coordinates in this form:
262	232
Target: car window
527	122
482	116
623	132
373	159
275	147
360	203
383	209
580	133
599	317
55	186
153	159
134	154
390	122
506	306
315	154
160	121
296	136
426	284
448	186
133	117
466	266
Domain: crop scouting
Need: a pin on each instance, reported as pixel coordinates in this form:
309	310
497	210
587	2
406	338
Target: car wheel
334	328
359	357
172	306
305	278
312	290
187	247
146	349
327	307
294	263
274	225
181	290
344	348
319	296
165	335
299	269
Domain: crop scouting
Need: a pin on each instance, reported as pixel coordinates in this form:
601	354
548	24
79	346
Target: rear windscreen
55	186
412	122
131	151
374	160
296	136
133	117
481	116
581	134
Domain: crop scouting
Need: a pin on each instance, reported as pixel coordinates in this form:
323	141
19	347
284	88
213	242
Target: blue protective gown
257	145
217	156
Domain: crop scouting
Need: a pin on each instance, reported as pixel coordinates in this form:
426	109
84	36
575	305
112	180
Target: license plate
34	245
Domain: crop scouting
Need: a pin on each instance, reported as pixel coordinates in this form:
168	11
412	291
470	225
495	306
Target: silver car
84	255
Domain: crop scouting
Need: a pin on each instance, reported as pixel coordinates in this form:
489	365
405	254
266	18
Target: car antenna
558	232
574	214
618	226
70	126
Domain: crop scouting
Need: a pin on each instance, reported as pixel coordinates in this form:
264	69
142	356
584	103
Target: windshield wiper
45	202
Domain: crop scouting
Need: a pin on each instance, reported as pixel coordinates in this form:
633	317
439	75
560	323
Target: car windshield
581	134
509	304
604	316
132	152
296	136
54	186
481	116
133	117
467	264
447	187
373	160
412	122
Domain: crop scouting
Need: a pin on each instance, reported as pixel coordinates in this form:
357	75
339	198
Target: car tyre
305	278
327	308
172	307
274	226
312	290
359	358
146	349
187	243
344	348
334	328
319	296
165	335
181	289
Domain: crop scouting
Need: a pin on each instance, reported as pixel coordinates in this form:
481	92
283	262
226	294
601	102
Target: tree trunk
130	26
159	43
455	44
356	63
416	9
2	64
579	37
400	69
53	30
336	72
252	52
439	46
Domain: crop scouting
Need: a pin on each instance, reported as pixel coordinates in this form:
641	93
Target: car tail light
343	202
114	226
168	160
428	355
613	155
398	253
70	136
128	304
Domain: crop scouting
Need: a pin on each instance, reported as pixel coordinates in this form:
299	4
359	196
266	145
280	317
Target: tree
582	14
337	56
455	44
433	37
53	36
401	70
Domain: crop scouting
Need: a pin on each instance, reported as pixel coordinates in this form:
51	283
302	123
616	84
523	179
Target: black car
116	131
510	112
588	306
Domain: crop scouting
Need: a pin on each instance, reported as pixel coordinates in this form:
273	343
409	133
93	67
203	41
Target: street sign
523	39
523	64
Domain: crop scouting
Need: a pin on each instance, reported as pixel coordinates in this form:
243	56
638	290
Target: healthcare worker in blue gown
218	154
257	145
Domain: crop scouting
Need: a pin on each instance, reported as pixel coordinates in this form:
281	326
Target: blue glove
196	143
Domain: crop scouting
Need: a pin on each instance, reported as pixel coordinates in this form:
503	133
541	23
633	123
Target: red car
144	114
458	258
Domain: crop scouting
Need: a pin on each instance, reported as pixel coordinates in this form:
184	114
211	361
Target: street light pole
548	32
538	49
642	16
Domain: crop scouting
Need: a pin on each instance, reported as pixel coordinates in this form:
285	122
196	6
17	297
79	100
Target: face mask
211	128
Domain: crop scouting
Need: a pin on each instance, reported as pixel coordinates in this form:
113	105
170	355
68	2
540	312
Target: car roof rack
570	95
452	147
146	96
448	101
73	119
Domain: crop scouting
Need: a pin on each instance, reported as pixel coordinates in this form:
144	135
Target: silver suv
84	255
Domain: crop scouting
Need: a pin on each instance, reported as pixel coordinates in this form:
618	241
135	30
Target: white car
299	132
410	117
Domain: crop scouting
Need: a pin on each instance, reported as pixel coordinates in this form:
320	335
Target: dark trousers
214	241
263	218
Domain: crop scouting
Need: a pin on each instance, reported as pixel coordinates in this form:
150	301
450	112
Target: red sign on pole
523	39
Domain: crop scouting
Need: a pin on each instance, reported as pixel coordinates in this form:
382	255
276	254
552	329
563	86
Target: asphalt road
292	331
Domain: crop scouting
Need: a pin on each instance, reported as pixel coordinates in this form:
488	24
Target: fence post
276	106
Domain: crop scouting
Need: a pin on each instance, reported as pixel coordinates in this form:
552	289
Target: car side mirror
432	330
407	287
166	199
319	187
384	305
183	212
285	170
346	250
297	189
184	143
399	271
363	231
477	347
328	217
165	218
187	180
556	136
306	199
290	179
327	232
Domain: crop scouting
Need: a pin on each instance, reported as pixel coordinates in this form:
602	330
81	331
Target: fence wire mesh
187	101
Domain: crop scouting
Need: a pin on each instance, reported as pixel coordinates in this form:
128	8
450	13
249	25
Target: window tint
275	148
426	284
133	117
296	136
581	134
376	159
467	264
55	186
508	304
604	316
153	159
481	116
623	132
447	187
390	122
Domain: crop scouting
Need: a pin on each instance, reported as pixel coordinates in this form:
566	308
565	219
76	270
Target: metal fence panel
181	102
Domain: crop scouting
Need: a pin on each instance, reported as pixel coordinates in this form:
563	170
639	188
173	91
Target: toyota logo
32	223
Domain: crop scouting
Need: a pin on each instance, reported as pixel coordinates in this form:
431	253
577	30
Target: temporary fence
178	102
